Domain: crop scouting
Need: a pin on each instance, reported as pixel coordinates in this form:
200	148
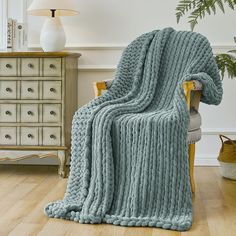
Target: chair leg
191	152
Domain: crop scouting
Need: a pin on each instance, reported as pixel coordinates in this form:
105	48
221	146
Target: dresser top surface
39	54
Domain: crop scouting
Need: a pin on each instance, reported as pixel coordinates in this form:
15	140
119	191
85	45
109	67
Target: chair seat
194	136
195	120
194	131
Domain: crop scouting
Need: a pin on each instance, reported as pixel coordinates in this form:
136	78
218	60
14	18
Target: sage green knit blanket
129	163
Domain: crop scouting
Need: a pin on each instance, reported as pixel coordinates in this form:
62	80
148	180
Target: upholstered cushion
194	131
194	136
195	120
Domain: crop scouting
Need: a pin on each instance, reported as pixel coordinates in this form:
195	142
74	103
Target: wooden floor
24	191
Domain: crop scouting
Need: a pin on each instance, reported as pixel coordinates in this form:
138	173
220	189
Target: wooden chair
192	100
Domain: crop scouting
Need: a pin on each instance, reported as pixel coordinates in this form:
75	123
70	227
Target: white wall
118	22
103	28
3	23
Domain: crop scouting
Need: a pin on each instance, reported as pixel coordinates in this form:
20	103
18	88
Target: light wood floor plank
37	213
25	190
26	229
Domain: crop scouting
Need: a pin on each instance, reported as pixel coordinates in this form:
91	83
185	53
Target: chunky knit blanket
129	163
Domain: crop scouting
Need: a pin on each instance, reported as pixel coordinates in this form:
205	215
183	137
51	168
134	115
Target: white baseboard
206	161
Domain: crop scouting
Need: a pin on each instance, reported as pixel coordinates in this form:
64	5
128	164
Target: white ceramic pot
52	38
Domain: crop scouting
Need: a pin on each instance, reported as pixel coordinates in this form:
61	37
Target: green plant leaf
221	6
198	9
213	8
232	51
226	63
230	4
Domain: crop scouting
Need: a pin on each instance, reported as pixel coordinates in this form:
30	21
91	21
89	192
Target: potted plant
196	10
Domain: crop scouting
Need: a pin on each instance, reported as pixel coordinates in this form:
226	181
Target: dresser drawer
7	112
29	90
30	66
29	136
52	90
7	89
51	136
7	135
52	67
8	67
29	113
51	112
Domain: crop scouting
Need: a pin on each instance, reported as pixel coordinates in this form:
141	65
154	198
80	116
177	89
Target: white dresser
38	97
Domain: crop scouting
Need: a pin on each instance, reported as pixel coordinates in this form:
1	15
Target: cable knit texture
129	163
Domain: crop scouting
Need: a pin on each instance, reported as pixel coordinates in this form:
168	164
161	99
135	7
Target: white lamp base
52	38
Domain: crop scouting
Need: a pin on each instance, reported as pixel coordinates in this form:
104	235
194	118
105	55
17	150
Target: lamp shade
44	7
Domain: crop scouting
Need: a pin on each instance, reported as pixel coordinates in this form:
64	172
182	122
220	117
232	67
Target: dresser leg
62	156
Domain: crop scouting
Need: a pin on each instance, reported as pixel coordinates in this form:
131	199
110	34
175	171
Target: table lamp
52	36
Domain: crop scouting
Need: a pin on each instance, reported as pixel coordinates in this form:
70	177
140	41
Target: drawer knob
52	90
52	66
9	66
30	113
30	90
52	136
52	113
30	136
8	89
7	136
8	113
30	65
